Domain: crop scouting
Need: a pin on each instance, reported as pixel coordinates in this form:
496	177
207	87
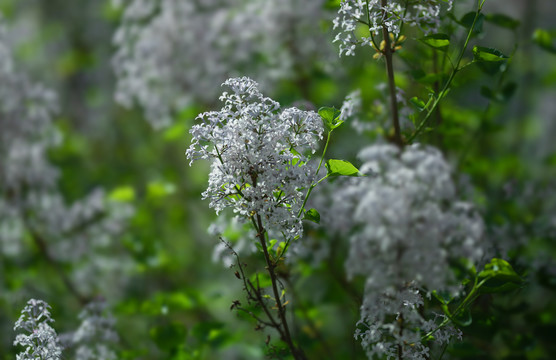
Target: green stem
315	184
455	70
464	304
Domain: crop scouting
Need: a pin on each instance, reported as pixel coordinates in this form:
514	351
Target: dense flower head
40	339
408	220
405	226
258	153
392	321
26	134
96	334
172	52
424	14
84	234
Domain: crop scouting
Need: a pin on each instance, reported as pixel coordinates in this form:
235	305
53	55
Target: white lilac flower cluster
383	338
25	127
40	339
408	227
26	134
30	202
84	235
95	333
353	13
170	52
351	105
258	154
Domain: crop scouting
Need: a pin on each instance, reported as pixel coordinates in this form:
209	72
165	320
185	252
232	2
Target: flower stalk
391	81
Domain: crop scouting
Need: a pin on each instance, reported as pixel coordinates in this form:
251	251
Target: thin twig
296	352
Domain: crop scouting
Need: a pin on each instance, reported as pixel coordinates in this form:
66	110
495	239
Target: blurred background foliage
497	127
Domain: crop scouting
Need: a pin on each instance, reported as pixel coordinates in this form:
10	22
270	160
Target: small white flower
170	53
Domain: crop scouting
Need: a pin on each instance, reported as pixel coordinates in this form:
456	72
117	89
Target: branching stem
270	265
317	172
455	70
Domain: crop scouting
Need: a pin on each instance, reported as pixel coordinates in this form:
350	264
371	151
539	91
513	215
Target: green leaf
463	318
262	279
545	40
498	268
467	21
503	21
500	96
211	332
508	91
464	268
443	297
495	286
488	93
418	103
429	79
330	118
481	53
499	276
160	189
175	131
122	194
312	215
168	336
437	41
280	248
341	168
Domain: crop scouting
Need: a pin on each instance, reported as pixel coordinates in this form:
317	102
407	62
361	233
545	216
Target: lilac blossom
95	335
354	13
258	155
172	52
405	225
39	338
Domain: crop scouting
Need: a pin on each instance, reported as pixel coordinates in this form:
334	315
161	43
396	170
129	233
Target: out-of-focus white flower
380	111
351	105
408	220
40	340
405	226
84	234
258	153
95	335
170	52
392	323
81	234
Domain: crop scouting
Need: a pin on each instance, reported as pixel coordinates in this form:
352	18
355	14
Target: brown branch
254	294
391	83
